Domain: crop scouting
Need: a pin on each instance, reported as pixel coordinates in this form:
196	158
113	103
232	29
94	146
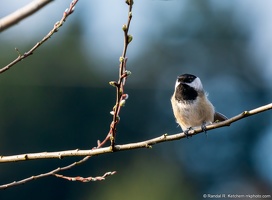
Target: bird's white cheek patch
196	84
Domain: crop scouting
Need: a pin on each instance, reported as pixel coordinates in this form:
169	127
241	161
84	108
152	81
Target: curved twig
22	13
57	25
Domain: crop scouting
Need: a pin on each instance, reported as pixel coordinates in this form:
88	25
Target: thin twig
87	179
57	25
121	97
22	13
78	178
23	181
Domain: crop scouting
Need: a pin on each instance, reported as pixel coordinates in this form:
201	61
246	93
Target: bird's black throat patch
185	93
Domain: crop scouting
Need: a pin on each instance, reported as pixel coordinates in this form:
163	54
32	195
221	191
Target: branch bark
136	145
22	13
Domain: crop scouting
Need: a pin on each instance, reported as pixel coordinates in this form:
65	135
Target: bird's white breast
194	113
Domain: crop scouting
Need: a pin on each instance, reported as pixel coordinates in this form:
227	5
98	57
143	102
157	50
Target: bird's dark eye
190	79
186	78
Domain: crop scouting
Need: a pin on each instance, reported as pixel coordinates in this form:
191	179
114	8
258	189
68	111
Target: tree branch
121	97
120	101
136	145
22	13
98	151
88	179
57	25
53	172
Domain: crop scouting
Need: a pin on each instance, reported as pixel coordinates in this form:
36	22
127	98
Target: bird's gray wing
218	117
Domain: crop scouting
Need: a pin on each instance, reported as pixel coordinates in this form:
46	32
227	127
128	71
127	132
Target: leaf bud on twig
124	27
121	59
129	38
129	2
128	72
57	23
122	102
125	96
114	107
73	8
113	83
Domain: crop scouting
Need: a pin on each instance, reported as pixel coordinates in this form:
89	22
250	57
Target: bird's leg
203	127
186	132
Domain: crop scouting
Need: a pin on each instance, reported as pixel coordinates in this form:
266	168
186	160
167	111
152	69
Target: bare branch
78	178
98	151
87	179
57	25
22	13
120	101
136	145
121	97
23	181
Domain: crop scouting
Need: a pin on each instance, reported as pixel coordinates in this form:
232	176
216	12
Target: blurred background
59	98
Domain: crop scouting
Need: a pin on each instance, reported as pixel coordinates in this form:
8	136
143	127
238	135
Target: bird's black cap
186	78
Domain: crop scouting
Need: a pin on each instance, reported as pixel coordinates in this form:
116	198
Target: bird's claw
186	132
204	129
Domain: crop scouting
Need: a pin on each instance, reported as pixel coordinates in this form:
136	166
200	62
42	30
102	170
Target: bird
191	106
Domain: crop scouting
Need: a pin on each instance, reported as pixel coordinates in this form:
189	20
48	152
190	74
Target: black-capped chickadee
190	104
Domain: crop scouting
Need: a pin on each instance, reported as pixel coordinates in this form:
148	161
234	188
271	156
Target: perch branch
22	13
57	25
98	151
136	145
